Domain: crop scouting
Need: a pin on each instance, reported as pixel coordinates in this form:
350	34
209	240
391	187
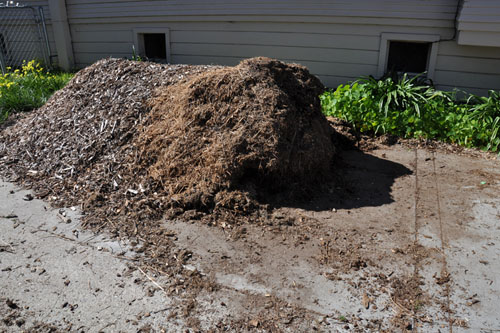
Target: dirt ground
412	247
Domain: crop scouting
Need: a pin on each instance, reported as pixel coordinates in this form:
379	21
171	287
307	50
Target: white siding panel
316	68
264	2
335	81
279	52
453	49
471	68
469	65
340	69
479	38
337	40
468	80
103	48
478	27
439	10
479	23
280	39
123	35
205	60
348	29
388	23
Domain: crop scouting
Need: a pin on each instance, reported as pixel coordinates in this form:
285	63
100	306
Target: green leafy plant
486	114
28	87
135	56
410	108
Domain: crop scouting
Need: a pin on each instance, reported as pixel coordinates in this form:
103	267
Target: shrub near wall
28	88
408	109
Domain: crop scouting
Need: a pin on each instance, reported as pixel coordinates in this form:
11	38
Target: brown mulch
226	138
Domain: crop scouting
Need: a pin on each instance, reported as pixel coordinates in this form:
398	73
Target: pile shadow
359	179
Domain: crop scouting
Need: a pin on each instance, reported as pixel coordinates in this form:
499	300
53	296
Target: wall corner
62	34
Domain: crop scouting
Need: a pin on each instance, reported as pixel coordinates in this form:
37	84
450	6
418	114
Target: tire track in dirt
431	306
443	244
415	272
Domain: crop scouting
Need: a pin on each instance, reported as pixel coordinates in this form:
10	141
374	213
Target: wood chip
366	301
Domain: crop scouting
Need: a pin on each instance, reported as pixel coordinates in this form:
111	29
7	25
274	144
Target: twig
52	234
124	258
9	216
65	219
162	310
7	244
402	308
151	279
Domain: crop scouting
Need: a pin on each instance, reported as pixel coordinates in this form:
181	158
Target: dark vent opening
155	46
408	57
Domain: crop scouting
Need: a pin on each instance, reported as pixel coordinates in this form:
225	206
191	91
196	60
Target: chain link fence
23	35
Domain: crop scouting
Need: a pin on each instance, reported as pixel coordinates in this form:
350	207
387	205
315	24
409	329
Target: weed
28	88
135	56
418	306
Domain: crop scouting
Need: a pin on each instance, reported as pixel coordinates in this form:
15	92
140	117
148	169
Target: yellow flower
31	67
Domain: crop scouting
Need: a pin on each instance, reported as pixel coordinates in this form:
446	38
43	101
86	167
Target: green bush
485	114
28	88
407	108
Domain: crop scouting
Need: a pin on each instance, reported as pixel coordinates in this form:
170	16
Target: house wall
479	23
339	40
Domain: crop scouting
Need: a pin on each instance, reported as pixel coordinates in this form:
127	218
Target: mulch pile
130	141
225	138
69	148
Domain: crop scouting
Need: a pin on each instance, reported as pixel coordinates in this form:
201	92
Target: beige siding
420	9
479	23
471	68
338	40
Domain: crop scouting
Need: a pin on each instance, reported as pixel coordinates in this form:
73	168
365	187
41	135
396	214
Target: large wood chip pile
129	141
